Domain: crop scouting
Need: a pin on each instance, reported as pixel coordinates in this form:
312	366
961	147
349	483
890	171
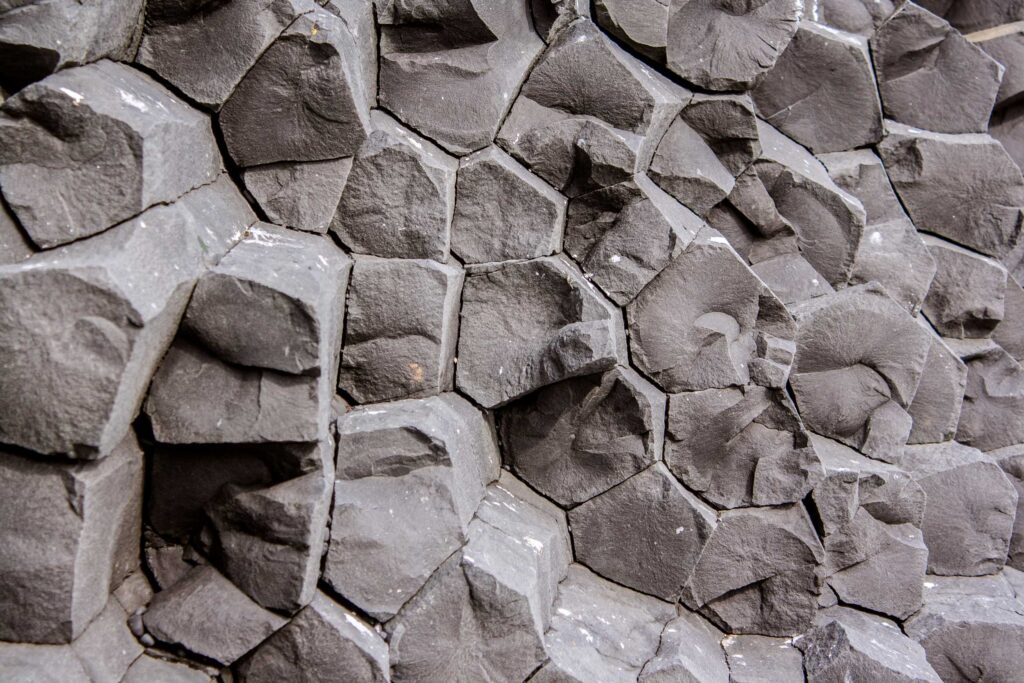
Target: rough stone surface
689	651
687	167
760	659
967	296
301	195
992	398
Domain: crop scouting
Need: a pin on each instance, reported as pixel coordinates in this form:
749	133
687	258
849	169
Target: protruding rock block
107	647
967	296
76	537
527	324
760	659
399	197
82	328
410	475
641	24
728	123
300	195
853	16
1011	460
647	533
550	17
689	650
401	329
146	669
993	397
93	146
687	167
575	439
940	394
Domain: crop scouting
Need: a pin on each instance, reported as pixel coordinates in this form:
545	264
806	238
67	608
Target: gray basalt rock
399	197
849	645
358	16
451	70
969	533
646	533
146	669
205	614
1005	45
107	647
527	324
45	663
38	38
640	24
687	167
695	325
410	477
14	243
401	329
306	90
940	394
740	446
1011	460
624	235
601	631
577	438
79	363
966	297
969	636
206	53
895	256
728	46
550	17
971	16
728	123
855	386
967	176
323	642
689	651
1009	333
993	397
930	76
600	131
853	16
503	212
93	146
822	91
1007	126
757	573
791	278
300	195
483	614
861	173
760	659
77	536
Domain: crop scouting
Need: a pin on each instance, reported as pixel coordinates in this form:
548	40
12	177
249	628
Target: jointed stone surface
301	195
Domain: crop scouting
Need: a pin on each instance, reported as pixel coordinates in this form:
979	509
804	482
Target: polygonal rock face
77	536
695	325
324	641
399	197
851	384
930	76
822	91
527	324
306	89
687	167
1011	460
689	650
301	195
854	16
624	235
728	45
551	16
759	659
966	298
646	533
503	212
401	329
90	147
641	24
940	393
757	572
578	438
740	447
894	255
993	397
122	295
589	115
410	476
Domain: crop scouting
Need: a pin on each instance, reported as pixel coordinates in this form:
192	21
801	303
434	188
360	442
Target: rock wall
511	340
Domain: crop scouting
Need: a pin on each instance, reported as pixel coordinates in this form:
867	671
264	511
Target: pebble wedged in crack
410	475
689	651
849	645
757	573
451	69
967	176
590	115
624	235
307	89
646	533
399	197
577	438
301	195
122	295
969	533
696	324
930	76
77	536
858	362
323	642
760	659
688	168
601	631
401	328
92	146
822	91
38	38
740	446
967	296
503	212
729	45
527	324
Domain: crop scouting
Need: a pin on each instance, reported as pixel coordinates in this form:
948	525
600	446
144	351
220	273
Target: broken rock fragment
728	123
399	197
853	16
689	650
966	297
300	195
92	146
401	329
940	393
989	417
577	438
641	24
760	659
1011	460
551	16
410	475
527	324
146	669
14	244
688	168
